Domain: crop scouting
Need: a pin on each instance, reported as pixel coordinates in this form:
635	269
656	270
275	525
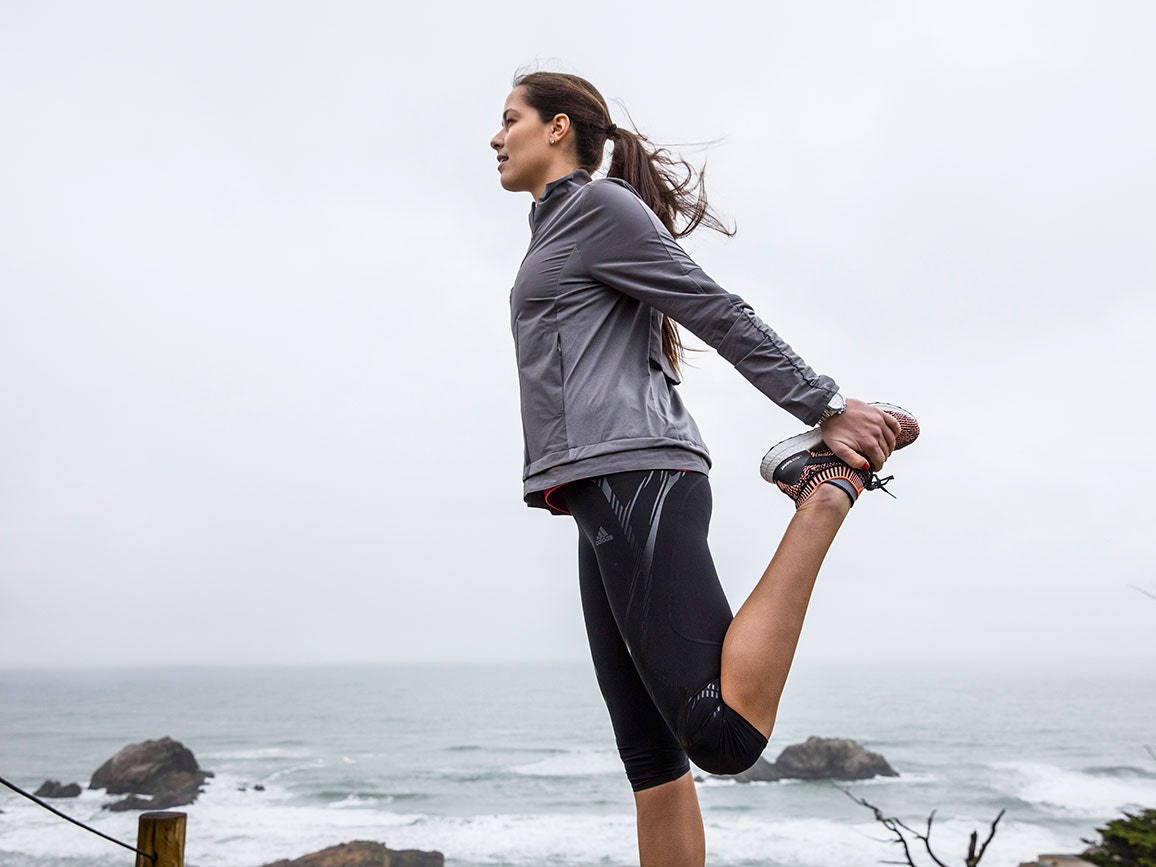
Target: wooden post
163	835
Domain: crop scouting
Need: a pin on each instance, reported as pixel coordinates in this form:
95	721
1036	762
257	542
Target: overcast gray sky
259	389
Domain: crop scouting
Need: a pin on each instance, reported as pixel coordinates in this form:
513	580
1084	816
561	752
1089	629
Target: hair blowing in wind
669	185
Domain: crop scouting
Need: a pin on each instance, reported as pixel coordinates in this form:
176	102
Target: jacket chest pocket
658	359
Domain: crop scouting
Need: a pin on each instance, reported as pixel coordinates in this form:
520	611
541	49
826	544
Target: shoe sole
806	440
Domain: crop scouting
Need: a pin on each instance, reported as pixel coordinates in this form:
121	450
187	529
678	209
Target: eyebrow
504	113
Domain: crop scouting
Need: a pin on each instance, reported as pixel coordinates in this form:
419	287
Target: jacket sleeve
624	246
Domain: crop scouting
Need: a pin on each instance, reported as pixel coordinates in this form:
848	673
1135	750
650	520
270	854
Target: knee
726	753
716	737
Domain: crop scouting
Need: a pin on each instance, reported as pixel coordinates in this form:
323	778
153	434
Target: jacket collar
555	193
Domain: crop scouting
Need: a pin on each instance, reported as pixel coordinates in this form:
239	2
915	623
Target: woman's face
522	145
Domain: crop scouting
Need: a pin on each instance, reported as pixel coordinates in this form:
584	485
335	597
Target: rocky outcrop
365	853
760	771
132	802
165	769
56	789
820	759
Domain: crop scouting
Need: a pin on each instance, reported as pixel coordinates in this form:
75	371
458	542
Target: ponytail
668	185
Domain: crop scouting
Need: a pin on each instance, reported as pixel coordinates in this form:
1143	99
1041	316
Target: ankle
827	497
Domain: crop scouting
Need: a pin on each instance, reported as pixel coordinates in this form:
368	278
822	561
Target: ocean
514	764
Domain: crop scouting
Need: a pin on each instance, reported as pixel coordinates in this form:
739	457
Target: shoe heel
783	450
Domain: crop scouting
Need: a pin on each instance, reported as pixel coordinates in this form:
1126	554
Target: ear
559	126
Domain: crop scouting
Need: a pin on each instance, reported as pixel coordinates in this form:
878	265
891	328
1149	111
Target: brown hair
667	184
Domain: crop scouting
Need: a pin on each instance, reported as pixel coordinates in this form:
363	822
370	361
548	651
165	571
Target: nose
496	142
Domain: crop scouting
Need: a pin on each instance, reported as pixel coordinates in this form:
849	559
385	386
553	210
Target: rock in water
165	769
760	771
132	802
365	853
55	789
820	759
831	759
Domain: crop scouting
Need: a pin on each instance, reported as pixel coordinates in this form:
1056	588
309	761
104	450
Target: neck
558	170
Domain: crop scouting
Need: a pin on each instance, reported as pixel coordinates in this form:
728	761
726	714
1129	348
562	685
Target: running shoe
799	464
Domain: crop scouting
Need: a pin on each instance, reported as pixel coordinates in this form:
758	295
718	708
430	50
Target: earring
551	141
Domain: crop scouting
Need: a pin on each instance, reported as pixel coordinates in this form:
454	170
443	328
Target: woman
609	442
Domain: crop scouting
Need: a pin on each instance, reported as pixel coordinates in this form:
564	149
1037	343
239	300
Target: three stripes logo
602	536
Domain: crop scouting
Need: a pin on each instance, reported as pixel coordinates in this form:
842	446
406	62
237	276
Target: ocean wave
255	754
344	798
1120	771
292	769
504	748
903	779
459	775
1068	793
221	835
580	763
360	799
715	782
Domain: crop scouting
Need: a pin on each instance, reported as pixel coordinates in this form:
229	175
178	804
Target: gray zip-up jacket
586	311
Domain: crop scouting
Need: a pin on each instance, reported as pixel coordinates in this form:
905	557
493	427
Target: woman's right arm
624	246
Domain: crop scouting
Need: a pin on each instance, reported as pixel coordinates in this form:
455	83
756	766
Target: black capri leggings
656	617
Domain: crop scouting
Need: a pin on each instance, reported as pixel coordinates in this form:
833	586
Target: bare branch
1147	593
1151	752
927	840
905	827
995	822
891	824
897	827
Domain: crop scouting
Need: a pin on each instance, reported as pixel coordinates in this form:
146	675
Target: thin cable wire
49	807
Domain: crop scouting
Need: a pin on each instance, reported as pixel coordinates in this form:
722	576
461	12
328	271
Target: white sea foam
565	801
233	828
257	753
1064	792
714	782
573	764
283	772
229	829
351	801
901	780
874	781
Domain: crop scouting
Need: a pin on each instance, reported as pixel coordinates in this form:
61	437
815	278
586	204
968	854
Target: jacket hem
609	447
666	457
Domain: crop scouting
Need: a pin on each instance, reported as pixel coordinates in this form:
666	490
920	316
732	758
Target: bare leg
670	832
760	642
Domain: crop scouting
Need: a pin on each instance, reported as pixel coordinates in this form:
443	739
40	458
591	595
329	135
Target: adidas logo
602	536
790	469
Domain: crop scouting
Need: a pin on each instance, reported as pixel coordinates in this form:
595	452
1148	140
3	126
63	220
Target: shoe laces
877	484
